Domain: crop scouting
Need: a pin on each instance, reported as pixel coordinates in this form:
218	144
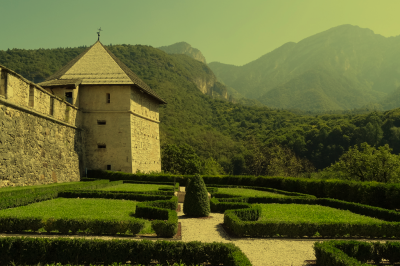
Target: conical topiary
196	201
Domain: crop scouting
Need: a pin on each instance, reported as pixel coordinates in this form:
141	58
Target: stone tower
118	111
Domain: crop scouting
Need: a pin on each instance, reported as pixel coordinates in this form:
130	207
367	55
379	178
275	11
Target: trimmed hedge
136	196
343	253
163	214
222	204
32	251
272	190
239	222
150	182
369	193
11	197
237	211
65	225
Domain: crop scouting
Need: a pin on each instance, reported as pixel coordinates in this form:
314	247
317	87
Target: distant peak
184	48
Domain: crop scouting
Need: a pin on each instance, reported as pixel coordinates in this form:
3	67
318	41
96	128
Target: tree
369	164
180	159
196	201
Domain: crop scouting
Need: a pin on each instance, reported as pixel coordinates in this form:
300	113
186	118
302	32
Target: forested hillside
222	133
342	68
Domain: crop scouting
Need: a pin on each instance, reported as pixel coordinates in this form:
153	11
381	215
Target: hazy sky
228	31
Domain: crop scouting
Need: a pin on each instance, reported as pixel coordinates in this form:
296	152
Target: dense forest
228	137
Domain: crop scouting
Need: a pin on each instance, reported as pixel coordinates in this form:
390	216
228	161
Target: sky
228	31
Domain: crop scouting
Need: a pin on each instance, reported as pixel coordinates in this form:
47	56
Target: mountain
184	48
320	72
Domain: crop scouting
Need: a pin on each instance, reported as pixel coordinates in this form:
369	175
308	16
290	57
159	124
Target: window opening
108	98
101	146
51	106
68	97
3	82
31	96
108	166
101	122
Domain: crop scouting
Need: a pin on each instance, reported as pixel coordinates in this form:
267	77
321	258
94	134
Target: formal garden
56	223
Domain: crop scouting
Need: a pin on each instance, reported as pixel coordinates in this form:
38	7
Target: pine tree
196	201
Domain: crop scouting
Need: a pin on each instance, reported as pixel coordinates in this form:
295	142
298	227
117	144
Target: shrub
196	201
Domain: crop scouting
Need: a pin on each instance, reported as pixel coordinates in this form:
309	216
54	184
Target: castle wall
35	146
145	132
115	135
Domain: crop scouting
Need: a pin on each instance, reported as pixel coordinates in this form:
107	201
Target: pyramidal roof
97	66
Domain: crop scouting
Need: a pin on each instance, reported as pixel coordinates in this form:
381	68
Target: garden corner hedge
355	253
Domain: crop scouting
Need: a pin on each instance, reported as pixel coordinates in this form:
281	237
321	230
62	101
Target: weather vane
98	34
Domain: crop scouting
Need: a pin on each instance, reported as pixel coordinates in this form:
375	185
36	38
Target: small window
101	122
108	166
108	98
68	97
31	96
101	146
3	82
51	106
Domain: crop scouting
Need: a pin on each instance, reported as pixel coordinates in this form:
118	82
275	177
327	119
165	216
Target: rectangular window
108	98
51	106
108	166
3	82
101	146
101	122
31	95
68	97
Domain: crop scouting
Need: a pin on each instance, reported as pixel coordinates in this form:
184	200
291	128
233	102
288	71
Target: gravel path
261	252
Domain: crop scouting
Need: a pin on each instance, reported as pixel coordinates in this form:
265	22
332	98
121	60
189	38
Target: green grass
309	213
79	209
249	192
133	187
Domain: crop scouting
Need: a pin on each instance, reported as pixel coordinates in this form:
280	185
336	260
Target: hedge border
27	195
370	193
32	251
241	218
346	253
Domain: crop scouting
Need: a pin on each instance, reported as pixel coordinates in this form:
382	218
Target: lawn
134	187
249	192
79	209
309	213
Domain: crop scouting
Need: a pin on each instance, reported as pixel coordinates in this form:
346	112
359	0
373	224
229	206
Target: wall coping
30	111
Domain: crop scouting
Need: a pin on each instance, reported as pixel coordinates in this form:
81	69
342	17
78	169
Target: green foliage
369	164
64	215
340	252
370	193
180	159
196	201
20	196
163	214
32	251
245	222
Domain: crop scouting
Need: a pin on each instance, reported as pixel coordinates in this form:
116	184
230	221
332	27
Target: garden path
261	252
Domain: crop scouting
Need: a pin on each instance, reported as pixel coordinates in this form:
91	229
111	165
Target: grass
79	208
309	213
133	187
249	192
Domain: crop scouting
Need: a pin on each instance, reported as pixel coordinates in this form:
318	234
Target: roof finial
98	34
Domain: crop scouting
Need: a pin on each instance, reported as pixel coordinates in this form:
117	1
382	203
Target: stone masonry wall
35	146
34	150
